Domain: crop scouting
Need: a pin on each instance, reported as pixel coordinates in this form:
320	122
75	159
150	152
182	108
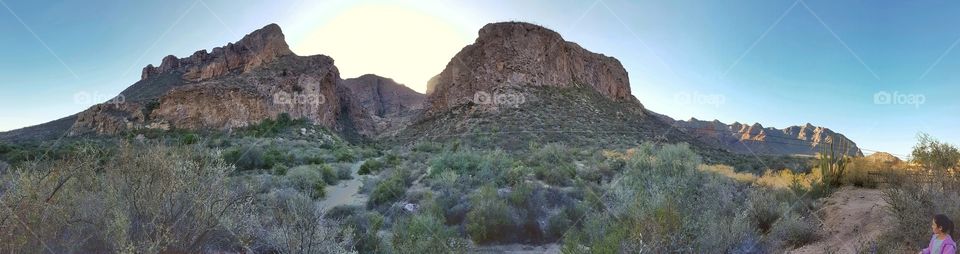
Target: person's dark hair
944	223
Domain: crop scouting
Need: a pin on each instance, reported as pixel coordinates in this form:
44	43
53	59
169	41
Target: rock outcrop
742	138
515	54
387	104
233	86
261	46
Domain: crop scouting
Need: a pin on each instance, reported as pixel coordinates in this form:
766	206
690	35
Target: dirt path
852	217
347	192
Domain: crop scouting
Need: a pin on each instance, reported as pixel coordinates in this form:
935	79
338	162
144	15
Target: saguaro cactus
833	161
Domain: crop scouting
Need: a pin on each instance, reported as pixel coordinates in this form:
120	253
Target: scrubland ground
299	189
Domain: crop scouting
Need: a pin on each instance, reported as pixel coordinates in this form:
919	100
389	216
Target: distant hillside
741	138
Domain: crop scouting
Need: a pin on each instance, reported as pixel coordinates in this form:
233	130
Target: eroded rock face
262	46
233	86
387	104
741	138
516	54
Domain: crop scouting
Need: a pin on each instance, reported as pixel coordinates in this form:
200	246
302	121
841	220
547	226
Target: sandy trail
852	218
346	192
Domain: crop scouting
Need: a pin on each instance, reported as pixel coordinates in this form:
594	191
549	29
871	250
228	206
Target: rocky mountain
742	138
246	82
511	55
520	83
517	84
388	105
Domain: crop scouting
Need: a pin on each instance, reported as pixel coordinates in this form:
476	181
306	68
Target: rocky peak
260	46
512	55
383	96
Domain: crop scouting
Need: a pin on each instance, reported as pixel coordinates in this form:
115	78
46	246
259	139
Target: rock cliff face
255	49
741	138
388	105
233	86
520	84
514	54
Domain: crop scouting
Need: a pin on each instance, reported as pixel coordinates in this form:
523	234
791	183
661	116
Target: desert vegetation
260	194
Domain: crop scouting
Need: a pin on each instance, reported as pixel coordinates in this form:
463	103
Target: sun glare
406	45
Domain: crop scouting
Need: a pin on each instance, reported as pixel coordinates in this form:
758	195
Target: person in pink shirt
941	242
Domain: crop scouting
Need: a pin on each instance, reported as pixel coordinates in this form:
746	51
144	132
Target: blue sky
777	62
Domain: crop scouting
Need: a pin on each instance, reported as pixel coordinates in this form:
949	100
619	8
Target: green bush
388	190
370	166
305	178
477	167
367	227
344	173
344	154
663	203
329	176
427	147
489	217
558	224
794	231
426	233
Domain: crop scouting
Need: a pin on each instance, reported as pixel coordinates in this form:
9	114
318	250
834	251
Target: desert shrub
307	179
858	172
426	233
516	175
248	158
763	210
489	217
473	166
367	226
279	169
344	172
288	222
120	201
459	162
271	127
370	166
427	147
392	160
666	201
342	212
559	175
728	171
189	138
794	231
326	172
388	190
558	224
344	154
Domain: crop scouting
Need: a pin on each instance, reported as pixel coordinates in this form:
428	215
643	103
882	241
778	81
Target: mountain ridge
515	77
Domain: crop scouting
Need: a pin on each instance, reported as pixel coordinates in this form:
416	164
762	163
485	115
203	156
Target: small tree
935	155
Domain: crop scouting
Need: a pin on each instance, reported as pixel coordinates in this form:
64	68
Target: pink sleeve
949	249
925	251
